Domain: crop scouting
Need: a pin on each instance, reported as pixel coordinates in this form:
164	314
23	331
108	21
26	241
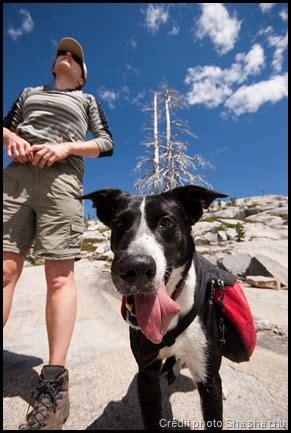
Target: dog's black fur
165	220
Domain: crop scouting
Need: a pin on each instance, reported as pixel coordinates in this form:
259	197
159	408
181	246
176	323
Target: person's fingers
37	147
45	159
12	153
22	153
38	155
52	160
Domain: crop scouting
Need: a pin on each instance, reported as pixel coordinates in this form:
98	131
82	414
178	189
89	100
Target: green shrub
232	201
89	245
222	227
240	231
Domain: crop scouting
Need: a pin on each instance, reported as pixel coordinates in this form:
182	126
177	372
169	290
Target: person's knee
56	283
59	275
11	272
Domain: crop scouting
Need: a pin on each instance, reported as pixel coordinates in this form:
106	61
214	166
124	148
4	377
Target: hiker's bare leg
12	268
61	308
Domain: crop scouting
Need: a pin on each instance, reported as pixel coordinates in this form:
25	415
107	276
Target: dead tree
149	164
181	168
166	163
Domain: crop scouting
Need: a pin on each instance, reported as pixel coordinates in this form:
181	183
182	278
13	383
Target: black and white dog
157	271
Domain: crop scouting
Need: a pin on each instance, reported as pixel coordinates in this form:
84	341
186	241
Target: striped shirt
46	115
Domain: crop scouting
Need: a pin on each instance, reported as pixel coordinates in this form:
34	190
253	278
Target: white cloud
265	31
281	44
216	23
208	93
211	85
25	27
284	14
110	96
248	99
131	68
132	43
138	98
254	60
155	16
266	7
175	30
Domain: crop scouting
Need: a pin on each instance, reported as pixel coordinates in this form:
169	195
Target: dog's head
150	237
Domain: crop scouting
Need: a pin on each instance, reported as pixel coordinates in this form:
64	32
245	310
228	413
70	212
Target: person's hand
47	154
18	148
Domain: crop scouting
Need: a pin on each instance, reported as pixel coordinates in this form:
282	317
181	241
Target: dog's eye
166	222
117	224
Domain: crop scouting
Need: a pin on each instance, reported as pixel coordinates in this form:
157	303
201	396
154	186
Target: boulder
199	240
211	258
280	212
264	218
263	282
266	266
211	237
231	212
251	211
231	234
258	230
96	235
236	264
221	236
108	256
103	248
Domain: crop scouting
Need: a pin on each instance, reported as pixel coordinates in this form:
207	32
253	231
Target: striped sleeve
15	115
98	125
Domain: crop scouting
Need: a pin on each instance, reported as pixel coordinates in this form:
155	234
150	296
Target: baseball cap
70	44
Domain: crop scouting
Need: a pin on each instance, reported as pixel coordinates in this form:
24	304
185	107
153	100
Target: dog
158	272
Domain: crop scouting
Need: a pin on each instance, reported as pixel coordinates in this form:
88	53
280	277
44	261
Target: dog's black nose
138	269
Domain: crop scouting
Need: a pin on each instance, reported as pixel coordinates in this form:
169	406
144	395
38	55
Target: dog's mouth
130	310
151	313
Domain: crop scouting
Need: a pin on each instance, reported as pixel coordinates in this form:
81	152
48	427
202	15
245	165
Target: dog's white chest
191	348
191	345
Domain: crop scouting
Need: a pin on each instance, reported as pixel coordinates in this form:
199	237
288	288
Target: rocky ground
101	367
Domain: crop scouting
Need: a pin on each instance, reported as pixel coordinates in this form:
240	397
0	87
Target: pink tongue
154	313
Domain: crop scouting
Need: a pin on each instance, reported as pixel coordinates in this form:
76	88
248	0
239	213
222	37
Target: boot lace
43	398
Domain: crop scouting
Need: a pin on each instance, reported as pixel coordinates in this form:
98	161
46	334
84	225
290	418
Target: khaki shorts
40	209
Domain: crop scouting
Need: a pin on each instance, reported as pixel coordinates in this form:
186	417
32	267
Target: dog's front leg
149	393
211	402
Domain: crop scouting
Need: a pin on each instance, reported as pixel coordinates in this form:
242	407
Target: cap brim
70	44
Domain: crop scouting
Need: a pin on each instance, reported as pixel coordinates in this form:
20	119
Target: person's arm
48	154
17	147
98	125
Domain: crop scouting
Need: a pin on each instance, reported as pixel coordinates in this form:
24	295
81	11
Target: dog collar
180	286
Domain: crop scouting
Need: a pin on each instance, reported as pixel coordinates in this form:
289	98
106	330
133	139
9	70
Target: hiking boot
49	400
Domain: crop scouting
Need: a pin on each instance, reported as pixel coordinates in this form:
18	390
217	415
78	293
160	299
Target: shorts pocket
76	233
10	185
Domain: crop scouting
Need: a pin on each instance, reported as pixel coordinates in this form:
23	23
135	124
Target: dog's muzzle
131	273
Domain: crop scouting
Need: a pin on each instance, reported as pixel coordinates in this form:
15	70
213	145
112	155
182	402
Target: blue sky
228	60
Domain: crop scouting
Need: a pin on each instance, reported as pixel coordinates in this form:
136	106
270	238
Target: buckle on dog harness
221	325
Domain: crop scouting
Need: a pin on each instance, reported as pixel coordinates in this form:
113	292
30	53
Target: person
44	134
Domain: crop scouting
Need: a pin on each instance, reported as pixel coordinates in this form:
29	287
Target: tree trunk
170	162
156	162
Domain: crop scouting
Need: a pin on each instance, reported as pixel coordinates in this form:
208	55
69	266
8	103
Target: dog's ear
106	202
194	199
